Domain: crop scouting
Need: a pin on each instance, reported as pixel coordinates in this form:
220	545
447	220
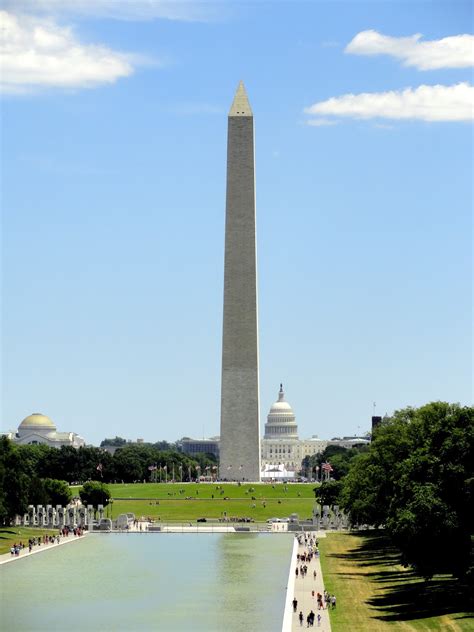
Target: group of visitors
310	550
16	548
325	600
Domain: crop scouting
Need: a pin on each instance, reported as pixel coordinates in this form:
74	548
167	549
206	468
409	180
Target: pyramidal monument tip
240	105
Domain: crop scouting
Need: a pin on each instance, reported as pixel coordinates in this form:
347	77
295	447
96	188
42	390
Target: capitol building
281	446
39	429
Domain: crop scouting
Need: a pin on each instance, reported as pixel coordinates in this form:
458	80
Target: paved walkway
303	587
6	558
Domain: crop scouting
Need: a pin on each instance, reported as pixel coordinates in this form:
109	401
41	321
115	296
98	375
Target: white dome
281	421
281	407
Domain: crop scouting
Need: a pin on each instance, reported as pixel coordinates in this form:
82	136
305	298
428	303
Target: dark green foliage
328	493
94	493
416	480
117	442
339	457
57	492
14	482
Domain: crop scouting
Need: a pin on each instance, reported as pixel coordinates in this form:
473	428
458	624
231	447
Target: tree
416	479
58	492
339	457
328	492
117	441
94	493
14	482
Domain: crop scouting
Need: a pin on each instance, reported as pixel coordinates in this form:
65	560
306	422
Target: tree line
416	481
38	474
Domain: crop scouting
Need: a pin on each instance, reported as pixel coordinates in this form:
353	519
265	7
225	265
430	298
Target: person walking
295	604
300	617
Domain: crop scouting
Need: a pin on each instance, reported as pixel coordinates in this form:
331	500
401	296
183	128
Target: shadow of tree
401	594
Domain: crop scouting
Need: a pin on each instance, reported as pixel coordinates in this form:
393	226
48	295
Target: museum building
39	429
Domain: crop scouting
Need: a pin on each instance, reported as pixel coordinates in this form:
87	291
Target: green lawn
13	535
184	502
375	594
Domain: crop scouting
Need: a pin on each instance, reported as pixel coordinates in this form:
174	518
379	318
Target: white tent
276	472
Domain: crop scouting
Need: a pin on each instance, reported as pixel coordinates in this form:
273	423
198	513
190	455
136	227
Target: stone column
32	515
60	516
41	515
325	516
71	516
90	517
100	510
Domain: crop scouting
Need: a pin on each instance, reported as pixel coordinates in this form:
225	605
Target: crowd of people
324	600
16	548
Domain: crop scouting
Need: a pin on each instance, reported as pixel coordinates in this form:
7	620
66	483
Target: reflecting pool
214	582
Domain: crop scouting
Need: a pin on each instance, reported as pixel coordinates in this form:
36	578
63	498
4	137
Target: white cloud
120	9
39	53
426	103
456	51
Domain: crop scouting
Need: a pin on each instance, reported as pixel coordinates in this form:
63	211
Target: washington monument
240	428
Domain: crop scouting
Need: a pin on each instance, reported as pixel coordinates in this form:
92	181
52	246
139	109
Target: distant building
200	446
39	429
349	442
280	444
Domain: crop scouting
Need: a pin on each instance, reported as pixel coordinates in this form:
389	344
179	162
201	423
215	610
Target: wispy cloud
38	53
184	10
456	51
426	103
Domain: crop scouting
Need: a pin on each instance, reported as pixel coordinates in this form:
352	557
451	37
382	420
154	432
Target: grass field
375	594
12	535
184	502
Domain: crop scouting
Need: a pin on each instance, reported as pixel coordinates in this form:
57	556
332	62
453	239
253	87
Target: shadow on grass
4	533
402	595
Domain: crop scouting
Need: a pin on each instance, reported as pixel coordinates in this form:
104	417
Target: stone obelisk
240	428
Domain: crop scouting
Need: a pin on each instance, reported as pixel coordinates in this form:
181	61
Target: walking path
6	558
302	590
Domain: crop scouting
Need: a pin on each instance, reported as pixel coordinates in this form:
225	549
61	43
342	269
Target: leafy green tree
117	442
14	482
339	457
416	479
94	493
58	492
328	493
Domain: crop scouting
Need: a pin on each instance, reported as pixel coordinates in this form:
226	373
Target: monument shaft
240	433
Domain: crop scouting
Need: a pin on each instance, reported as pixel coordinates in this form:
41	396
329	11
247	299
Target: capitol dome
281	421
37	421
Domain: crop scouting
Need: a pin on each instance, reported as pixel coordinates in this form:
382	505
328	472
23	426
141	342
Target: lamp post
317	473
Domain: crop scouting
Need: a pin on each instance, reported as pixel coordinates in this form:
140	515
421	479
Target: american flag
326	467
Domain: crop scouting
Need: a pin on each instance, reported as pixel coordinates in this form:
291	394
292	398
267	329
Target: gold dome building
40	429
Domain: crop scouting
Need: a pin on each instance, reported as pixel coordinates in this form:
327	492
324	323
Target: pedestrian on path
295	604
300	617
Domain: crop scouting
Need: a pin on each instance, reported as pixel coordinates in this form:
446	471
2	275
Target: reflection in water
252	569
164	582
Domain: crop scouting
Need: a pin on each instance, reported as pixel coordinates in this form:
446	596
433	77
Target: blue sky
114	123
